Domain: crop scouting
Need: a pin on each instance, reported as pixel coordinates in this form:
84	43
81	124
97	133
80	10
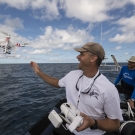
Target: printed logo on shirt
94	94
126	75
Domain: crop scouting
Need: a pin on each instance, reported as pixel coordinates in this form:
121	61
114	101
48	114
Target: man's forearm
51	81
102	124
108	124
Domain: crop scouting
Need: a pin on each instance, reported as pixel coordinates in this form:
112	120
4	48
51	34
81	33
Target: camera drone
7	46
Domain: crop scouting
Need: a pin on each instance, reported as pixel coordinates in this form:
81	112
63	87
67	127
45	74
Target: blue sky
55	27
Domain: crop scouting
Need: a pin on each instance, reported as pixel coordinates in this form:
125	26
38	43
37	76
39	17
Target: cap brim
80	50
131	61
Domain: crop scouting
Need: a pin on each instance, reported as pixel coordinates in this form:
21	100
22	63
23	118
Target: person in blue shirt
127	78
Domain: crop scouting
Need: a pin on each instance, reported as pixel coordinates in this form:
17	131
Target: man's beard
131	67
79	66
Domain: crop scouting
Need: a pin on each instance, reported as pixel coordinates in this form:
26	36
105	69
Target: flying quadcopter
7	45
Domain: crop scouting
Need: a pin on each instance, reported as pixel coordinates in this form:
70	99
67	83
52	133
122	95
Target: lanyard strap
92	83
94	78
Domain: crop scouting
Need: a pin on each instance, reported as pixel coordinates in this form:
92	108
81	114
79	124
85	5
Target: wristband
95	126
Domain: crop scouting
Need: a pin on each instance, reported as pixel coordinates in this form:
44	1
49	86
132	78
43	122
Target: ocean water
24	97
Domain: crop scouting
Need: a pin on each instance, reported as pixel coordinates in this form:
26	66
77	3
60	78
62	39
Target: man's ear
94	58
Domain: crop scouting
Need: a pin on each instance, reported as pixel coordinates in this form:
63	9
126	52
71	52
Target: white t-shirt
102	100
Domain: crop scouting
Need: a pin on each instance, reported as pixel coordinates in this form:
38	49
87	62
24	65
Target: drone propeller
21	45
5	33
25	43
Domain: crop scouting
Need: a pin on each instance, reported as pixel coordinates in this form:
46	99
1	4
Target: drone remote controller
70	112
72	117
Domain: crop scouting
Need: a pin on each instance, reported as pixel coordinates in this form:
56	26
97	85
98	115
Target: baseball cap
132	59
94	48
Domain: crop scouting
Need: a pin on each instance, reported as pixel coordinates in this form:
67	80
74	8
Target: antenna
101	34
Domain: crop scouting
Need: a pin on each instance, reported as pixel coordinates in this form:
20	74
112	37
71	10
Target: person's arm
131	102
119	77
133	93
51	81
104	124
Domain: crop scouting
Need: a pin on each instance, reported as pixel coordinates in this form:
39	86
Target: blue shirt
128	76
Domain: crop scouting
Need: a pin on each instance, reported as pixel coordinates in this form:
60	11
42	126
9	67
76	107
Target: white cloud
87	11
124	38
127	30
118	47
6	29
62	38
127	24
44	9
92	11
25	50
43	51
116	4
14	23
10	25
18	4
55	59
109	31
17	56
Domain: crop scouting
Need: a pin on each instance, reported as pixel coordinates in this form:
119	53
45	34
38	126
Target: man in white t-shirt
91	92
